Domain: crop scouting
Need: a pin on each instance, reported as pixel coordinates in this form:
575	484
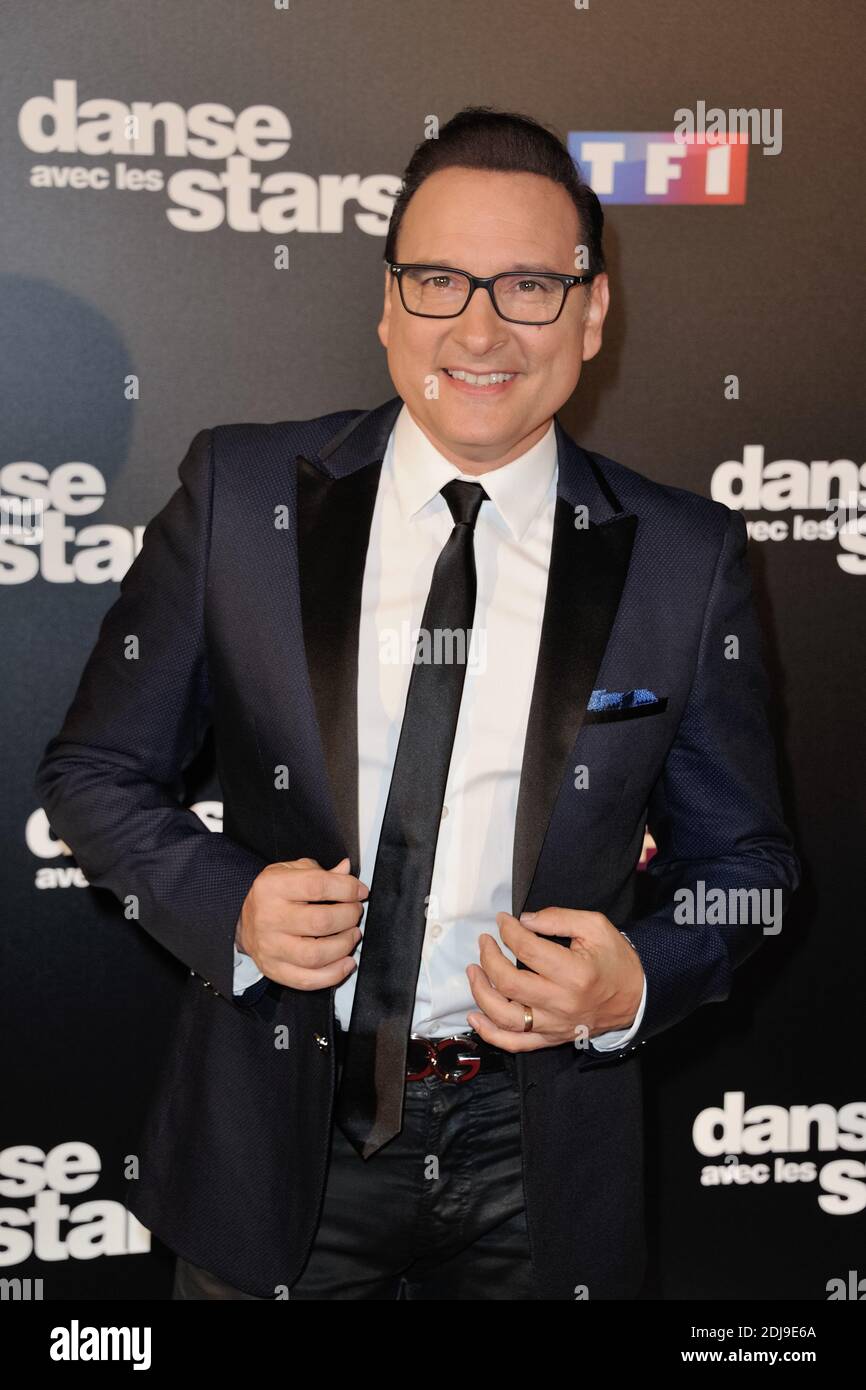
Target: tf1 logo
642	166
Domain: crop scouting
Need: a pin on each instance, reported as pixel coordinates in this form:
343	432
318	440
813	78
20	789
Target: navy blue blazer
245	600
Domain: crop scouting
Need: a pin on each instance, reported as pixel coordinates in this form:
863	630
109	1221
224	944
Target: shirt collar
517	489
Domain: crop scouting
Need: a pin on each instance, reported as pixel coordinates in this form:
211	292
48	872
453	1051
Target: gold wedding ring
527	1019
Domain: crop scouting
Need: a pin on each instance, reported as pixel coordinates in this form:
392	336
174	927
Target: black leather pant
438	1213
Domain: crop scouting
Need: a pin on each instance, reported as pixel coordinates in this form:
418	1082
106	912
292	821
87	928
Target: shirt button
444	812
435	929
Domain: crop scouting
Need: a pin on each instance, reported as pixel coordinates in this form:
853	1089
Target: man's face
484	222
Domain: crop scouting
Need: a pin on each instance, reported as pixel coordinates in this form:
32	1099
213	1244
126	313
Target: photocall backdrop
232	270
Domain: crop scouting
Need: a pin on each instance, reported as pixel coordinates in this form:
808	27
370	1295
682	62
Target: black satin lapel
334	516
587	573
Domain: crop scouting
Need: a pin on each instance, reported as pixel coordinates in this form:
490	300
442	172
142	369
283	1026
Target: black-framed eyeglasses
519	296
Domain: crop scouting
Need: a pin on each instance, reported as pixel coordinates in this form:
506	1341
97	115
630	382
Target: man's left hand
577	991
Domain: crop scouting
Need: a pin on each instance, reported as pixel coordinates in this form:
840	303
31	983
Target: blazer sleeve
138	717
715	813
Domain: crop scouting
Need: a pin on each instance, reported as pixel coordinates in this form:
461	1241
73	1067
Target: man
454	665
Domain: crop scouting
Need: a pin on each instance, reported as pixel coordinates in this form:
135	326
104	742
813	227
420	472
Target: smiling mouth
480	378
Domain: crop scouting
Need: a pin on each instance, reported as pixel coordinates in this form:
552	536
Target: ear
384	322
595	315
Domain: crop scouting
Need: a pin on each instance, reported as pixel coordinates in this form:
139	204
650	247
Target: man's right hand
299	922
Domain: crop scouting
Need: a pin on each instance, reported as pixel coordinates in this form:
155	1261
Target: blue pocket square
613	699
607	706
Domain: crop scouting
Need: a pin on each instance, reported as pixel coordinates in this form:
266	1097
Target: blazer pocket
614	715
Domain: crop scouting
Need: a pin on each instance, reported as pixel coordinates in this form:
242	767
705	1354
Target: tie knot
464	500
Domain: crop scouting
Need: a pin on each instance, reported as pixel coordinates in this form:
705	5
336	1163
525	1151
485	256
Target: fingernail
528	916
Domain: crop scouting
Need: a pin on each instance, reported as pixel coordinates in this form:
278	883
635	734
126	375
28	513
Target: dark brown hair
479	137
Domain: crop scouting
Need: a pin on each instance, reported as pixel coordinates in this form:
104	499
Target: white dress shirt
472	866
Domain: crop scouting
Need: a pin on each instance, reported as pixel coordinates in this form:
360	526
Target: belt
454	1059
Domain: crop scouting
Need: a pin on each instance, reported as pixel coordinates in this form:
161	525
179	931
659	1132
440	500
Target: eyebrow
516	265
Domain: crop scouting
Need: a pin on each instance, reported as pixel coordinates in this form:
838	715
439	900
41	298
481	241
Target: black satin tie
369	1106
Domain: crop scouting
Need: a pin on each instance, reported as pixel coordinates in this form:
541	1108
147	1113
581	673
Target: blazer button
321	1041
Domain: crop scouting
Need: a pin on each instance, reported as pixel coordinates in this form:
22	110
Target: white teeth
490	379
